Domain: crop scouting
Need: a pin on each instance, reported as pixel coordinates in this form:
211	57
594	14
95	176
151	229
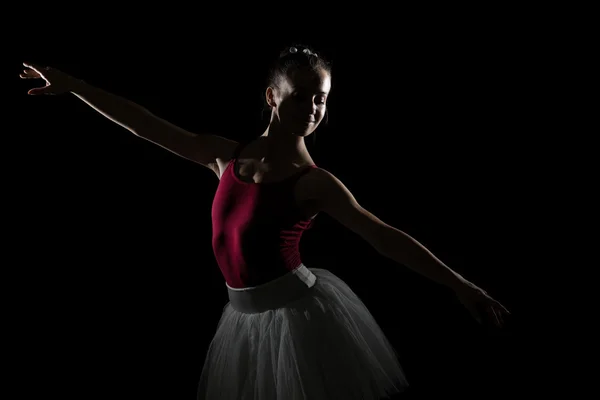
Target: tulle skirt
304	336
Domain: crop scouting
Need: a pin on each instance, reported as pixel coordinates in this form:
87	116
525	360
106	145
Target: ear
270	95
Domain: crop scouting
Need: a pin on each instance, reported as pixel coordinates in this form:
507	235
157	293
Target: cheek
321	112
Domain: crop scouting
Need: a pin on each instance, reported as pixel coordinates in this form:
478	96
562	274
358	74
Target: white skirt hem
324	345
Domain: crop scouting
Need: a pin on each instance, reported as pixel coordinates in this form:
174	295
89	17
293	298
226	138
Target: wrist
76	85
458	283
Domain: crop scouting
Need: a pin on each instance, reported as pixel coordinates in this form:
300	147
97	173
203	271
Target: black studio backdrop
115	234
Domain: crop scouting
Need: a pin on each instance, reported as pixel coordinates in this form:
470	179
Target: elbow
381	239
143	124
392	243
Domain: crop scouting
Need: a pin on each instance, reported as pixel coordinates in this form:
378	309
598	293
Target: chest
256	172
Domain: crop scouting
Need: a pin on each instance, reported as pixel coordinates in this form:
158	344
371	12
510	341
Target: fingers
30	74
496	317
35	71
496	303
492	311
35	67
40	90
496	311
502	307
481	306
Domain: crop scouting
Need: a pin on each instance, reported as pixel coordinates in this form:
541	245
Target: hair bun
294	50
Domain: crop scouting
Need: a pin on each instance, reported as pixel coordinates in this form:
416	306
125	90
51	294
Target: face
300	100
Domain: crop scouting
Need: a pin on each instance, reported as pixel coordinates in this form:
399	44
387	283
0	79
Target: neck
282	145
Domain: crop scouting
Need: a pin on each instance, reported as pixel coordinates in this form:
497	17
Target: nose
310	107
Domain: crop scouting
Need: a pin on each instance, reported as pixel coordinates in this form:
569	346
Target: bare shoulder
324	189
223	150
326	192
321	176
205	149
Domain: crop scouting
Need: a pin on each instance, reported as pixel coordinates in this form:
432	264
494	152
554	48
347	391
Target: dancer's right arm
203	149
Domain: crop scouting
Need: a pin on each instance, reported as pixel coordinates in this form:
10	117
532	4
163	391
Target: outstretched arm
117	109
204	149
333	198
402	248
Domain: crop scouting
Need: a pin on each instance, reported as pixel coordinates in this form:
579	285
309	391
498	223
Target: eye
301	97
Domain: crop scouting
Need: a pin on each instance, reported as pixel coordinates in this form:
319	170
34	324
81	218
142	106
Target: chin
304	133
307	130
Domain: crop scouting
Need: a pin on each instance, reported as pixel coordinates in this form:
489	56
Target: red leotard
256	228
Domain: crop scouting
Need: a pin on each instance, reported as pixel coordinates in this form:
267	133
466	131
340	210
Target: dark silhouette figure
289	332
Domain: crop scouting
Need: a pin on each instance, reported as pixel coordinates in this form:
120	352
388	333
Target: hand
480	304
57	82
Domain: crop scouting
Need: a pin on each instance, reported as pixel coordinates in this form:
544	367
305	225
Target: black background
434	124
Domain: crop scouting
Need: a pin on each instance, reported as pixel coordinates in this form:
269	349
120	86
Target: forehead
309	80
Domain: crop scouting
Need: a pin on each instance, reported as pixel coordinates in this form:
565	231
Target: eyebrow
301	89
319	92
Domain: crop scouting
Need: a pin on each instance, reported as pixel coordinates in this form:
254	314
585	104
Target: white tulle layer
324	345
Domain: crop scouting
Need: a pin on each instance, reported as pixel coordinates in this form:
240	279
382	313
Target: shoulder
330	195
223	162
325	189
322	177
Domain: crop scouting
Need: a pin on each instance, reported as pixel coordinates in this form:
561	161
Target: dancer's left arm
334	198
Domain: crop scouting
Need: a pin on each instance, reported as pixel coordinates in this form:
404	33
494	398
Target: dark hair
295	56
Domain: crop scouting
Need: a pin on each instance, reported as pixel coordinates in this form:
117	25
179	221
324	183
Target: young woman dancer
288	332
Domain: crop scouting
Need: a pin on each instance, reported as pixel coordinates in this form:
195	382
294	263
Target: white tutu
305	336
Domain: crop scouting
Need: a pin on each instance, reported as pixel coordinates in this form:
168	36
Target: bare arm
204	149
335	199
123	112
402	248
